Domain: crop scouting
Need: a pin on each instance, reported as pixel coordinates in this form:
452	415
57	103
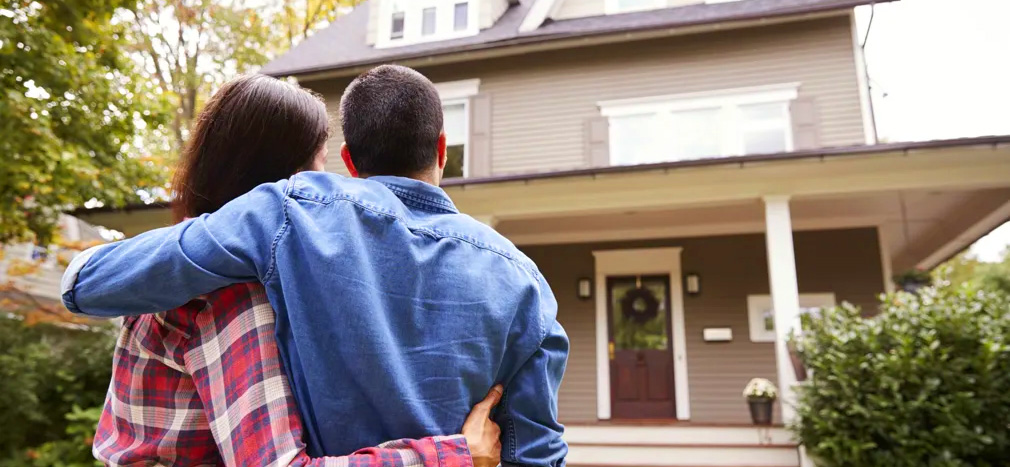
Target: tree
190	47
71	105
966	269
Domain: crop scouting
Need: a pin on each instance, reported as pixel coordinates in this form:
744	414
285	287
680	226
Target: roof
863	149
342	44
821	153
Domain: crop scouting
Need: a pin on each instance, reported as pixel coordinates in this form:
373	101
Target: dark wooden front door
641	362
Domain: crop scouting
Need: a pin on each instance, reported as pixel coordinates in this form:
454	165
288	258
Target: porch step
680	446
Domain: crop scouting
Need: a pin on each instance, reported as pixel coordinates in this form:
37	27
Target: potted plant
913	280
761	394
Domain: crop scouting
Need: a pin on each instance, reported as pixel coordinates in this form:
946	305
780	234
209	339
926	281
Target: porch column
785	294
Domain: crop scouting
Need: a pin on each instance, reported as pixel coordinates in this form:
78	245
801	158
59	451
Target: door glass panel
638	313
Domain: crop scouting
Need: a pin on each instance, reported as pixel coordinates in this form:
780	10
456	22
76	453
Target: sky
940	69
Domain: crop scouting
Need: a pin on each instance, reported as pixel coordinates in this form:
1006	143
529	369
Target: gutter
822	153
994	141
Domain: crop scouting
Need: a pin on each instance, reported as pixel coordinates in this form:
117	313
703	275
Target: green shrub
46	372
924	383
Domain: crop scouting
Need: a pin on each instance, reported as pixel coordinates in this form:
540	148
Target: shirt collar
417	193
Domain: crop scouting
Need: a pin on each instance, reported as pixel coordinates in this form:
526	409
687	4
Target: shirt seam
280	231
430	232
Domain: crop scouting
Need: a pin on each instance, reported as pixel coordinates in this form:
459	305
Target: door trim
643	261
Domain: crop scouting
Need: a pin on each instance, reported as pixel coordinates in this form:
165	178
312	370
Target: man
394	310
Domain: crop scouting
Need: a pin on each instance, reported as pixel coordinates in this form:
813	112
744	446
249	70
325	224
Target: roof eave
533	42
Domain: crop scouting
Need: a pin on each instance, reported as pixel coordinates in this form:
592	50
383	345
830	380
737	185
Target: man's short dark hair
391	117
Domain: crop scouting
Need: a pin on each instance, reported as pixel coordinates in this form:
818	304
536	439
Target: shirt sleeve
248	402
164	268
531	433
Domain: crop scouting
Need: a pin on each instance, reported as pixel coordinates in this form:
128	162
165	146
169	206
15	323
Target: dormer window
412	21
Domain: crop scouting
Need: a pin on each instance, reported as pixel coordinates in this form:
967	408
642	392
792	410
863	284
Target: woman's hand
483	435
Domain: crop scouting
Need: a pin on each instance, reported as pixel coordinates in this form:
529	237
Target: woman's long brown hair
254	130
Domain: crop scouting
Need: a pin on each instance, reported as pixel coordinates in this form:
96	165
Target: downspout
866	73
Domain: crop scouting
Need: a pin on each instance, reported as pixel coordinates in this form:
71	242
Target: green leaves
926	382
71	106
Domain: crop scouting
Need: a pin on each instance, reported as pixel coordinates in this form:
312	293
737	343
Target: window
761	314
461	16
702	125
456	134
456	97
428	21
625	6
413	21
396	25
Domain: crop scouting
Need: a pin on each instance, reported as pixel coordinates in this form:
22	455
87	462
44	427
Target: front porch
771	236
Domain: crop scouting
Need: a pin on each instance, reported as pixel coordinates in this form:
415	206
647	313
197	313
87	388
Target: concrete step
680	446
683	456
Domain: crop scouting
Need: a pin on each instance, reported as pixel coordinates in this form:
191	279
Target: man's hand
483	435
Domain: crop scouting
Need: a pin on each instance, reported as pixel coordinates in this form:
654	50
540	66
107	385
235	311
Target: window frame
613	7
413	11
728	101
758	304
455	93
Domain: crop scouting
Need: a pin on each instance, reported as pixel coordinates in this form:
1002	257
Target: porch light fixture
585	288
692	284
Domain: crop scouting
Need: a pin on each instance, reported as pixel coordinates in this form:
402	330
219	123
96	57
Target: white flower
760	387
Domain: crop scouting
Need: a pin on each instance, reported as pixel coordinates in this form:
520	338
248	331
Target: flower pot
761	410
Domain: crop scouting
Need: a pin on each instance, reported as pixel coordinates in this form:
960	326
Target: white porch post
784	292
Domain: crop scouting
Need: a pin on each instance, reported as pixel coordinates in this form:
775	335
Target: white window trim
635	262
462	89
729	100
700	100
613	7
412	22
758	304
455	93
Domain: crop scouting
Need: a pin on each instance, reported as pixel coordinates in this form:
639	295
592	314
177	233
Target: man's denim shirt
395	313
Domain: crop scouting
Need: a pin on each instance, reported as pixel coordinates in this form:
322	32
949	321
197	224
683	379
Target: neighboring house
46	265
678	169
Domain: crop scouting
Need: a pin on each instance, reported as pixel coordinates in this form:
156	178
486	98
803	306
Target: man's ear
345	154
442	156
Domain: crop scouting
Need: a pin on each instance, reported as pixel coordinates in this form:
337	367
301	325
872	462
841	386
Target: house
30	275
689	175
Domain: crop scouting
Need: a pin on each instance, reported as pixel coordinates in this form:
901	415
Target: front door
641	362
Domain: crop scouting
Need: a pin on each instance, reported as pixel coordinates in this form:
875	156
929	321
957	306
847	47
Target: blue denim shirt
395	313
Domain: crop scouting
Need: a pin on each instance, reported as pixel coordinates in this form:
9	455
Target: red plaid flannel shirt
202	385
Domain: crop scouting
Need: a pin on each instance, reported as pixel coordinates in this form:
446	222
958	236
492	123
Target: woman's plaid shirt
202	385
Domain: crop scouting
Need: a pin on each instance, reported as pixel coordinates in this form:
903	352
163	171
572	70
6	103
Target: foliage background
53	378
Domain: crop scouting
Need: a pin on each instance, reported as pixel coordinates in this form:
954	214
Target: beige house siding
846	262
541	103
569	9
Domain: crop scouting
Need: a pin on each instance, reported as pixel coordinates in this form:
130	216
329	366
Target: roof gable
343	43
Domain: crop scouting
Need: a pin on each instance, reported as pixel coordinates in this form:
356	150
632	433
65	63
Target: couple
345	311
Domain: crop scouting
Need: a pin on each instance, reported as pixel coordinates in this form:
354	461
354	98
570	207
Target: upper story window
405	22
456	96
694	126
625	6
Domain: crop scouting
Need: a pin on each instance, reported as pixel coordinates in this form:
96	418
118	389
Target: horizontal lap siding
846	262
541	101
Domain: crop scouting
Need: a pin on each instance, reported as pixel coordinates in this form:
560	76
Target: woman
203	384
